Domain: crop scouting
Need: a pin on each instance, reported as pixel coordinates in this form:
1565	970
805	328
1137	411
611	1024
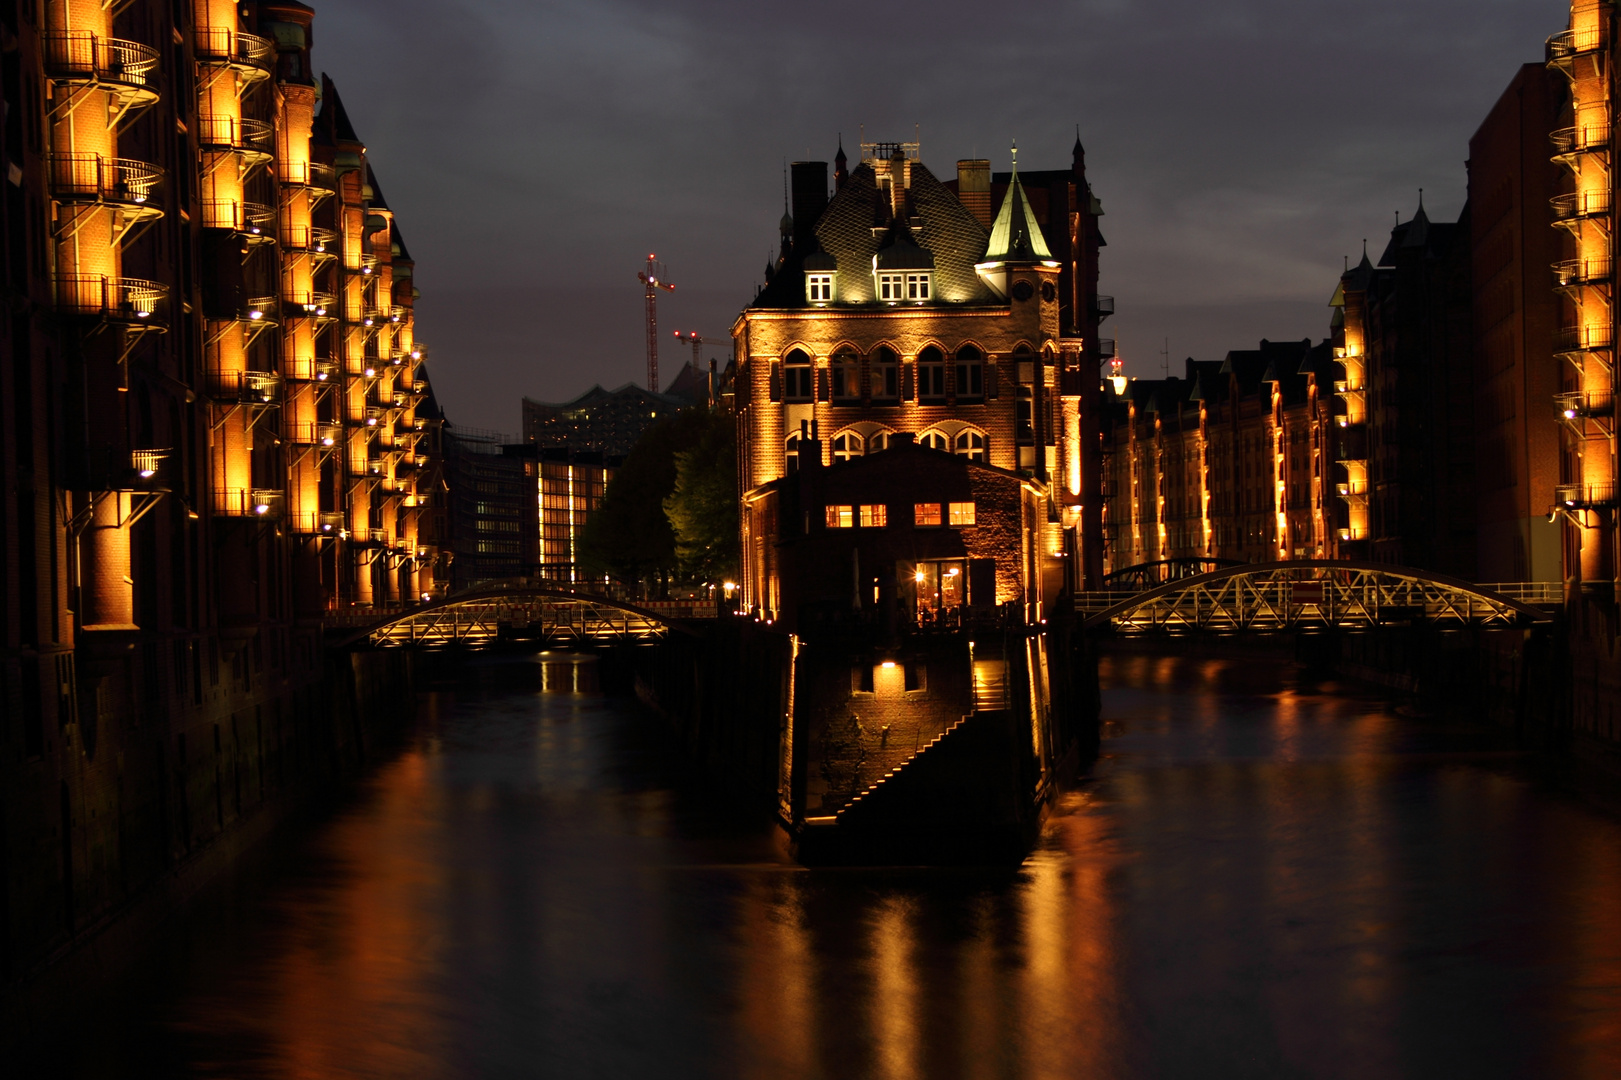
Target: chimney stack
810	199
974	188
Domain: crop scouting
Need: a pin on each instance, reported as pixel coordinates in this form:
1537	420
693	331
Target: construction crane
650	278
698	342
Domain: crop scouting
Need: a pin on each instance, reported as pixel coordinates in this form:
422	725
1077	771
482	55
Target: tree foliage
702	508
633	537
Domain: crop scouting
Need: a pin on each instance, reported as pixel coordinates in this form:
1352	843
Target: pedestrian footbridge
1314	594
551	617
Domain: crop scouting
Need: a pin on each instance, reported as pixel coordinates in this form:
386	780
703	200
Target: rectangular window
970	380
874	517
799	383
819	287
891	286
840	517
961	513
925	514
931	380
917	286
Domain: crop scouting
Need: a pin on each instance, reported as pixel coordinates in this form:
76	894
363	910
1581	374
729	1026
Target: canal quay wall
156	808
873	748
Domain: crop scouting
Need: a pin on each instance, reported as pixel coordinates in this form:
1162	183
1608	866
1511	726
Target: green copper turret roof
1016	233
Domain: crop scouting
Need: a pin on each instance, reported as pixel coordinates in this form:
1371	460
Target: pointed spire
840	173
1015	233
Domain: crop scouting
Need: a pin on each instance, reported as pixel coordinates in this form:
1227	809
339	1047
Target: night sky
535	153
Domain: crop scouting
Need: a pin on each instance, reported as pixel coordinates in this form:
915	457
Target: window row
876	516
892	286
849	444
938	377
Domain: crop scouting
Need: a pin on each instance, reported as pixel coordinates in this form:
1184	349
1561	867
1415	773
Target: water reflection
1264	878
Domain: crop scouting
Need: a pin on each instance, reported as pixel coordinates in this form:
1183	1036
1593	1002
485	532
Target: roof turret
1016	235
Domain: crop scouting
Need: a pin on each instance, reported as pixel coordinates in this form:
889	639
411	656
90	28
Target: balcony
1583	339
255	221
1585	496
319	242
1579	205
1354	489
127	185
1598	405
1105	349
327	370
375	416
331	522
1576	273
259	388
318	179
249	55
257	503
134	302
1565	47
255	140
127	69
1102	307
1587	138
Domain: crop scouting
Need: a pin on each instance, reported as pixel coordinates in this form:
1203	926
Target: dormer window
819	288
917	286
891	287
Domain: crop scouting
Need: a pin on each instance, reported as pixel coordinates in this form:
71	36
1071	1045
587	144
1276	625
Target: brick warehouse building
208	434
903	305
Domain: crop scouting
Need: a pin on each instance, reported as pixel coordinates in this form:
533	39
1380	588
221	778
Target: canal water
1261	877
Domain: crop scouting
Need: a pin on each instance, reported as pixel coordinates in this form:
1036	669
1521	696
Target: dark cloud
536	152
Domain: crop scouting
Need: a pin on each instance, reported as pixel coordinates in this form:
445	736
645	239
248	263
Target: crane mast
650	278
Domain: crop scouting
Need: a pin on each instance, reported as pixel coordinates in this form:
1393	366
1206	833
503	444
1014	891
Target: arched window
792	448
845	371
970	372
846	445
878	442
797	385
935	440
931	373
886	382
971	445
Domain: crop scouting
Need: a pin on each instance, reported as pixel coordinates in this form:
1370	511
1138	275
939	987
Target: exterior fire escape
1584	147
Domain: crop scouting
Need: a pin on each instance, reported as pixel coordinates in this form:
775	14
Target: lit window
933	440
819	287
841	517
971	445
961	513
846	445
874	517
917	286
891	287
792	447
797	371
878	442
925	514
885	373
931	373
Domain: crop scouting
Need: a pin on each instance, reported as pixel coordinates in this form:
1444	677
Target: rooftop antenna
1421	198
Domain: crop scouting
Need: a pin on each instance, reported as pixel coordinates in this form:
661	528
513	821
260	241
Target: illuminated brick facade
904	305
208	431
1230	461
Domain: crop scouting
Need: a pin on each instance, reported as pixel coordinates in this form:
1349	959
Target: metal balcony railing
375	415
147	468
309	174
327	370
255	503
1569	44
1581	404
1585	138
330	521
1106	348
260	388
80	56
1103	306
307	304
254	220
311	238
254	138
93	178
1569	273
260	309
1352	489
368	262
134	301
1575	205
1585	496
329	434
250	54
1584	338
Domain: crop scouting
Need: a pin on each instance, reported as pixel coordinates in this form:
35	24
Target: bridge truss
1313	594
553	618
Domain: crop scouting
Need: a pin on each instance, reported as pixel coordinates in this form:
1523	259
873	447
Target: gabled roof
333	119
1016	235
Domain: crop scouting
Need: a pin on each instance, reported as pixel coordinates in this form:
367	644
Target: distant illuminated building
571	485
